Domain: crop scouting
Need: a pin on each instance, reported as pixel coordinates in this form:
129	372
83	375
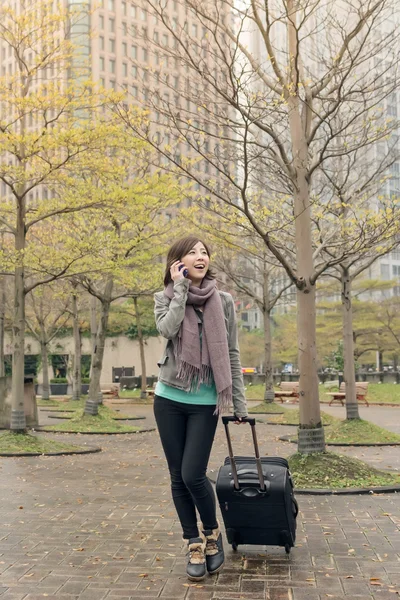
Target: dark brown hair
178	250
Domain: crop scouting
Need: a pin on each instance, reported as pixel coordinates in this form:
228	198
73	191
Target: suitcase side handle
252	422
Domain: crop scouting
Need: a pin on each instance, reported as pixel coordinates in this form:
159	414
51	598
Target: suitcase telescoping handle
252	423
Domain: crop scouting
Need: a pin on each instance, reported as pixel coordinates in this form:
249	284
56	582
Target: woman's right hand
176	274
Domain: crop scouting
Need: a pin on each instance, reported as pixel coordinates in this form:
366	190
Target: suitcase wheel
287	548
234	546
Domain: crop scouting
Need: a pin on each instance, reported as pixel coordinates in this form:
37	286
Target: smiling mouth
200	267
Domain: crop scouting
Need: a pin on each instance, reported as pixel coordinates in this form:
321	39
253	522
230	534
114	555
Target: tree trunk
311	432
91	406
18	421
77	368
93	329
269	393
348	347
45	368
380	361
143	393
2	323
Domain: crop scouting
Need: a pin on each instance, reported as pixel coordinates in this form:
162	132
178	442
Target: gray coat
169	315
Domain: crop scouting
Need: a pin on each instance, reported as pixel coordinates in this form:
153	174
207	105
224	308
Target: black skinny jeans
187	433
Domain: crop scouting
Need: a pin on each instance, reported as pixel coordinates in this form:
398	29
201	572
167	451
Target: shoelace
196	553
212	547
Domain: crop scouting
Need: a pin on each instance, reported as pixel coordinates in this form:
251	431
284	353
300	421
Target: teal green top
207	394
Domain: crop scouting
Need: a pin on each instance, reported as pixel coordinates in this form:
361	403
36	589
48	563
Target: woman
200	373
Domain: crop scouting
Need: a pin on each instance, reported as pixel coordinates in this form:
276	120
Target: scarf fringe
224	401
193	377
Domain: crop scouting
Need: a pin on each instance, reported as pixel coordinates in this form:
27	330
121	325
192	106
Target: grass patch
135	395
102	422
254	392
130	394
50	402
386	393
378	393
267	408
358	431
292	417
62	405
22	443
329	470
79	405
104	411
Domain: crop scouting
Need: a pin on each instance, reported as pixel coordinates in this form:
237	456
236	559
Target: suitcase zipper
226	506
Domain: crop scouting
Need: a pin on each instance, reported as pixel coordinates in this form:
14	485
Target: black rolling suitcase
256	497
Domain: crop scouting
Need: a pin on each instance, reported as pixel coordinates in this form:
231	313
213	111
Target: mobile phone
185	270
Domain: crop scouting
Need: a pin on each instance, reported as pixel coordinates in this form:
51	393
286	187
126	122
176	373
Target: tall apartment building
123	46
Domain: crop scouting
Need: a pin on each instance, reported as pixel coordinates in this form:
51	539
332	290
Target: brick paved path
103	526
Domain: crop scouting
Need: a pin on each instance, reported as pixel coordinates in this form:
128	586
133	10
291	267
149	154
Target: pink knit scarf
199	363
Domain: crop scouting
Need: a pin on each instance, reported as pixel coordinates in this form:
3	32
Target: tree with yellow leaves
58	157
131	234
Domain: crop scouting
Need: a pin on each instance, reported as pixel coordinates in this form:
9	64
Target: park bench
288	389
361	393
110	390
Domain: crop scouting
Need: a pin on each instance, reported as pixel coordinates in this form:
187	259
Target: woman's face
197	262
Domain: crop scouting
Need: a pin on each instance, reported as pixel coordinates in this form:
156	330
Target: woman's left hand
239	420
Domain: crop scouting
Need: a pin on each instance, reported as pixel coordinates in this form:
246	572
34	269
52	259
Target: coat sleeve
169	314
238	394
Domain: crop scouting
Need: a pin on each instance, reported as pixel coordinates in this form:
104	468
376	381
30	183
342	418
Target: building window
101	22
124	69
143	14
133	11
396	270
124	48
134	52
101	42
385	272
124	11
112	85
124	28
145	54
101	63
112	46
134	91
111	5
134	71
111	66
111	25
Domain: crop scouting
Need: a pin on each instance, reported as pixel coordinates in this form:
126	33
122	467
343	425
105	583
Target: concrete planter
59	389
